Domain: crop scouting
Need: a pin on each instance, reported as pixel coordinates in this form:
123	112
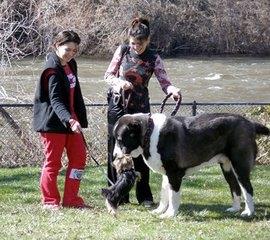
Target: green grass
205	197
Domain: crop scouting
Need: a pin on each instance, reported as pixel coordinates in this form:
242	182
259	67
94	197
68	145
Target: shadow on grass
20	177
18	186
203	212
206	212
20	182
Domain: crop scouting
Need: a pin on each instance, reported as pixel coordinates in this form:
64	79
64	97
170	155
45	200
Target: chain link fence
21	146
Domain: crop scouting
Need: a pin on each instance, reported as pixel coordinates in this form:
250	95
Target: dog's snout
117	152
124	150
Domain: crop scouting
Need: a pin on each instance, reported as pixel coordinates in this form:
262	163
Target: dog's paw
233	209
168	214
247	213
161	209
112	212
155	211
110	208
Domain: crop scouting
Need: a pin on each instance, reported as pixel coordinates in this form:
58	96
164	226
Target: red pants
54	145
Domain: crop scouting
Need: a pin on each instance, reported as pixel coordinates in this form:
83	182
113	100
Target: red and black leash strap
177	105
125	101
164	102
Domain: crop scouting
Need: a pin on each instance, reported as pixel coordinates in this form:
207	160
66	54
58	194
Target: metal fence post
194	108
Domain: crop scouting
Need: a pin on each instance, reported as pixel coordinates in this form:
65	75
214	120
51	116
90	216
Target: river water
204	79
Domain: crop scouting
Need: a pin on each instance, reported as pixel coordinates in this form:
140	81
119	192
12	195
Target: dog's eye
132	135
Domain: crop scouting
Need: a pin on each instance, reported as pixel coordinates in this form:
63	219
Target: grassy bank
205	197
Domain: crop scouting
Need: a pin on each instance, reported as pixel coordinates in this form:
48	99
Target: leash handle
177	105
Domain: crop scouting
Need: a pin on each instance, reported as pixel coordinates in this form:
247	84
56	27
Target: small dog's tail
261	129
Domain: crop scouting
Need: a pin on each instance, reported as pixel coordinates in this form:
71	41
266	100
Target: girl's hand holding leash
176	94
75	125
125	85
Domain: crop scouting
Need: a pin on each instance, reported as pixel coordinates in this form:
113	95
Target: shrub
178	27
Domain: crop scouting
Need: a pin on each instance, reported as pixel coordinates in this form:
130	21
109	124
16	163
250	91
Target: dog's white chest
154	161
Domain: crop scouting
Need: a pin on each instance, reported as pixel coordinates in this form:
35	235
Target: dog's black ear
135	126
134	123
141	125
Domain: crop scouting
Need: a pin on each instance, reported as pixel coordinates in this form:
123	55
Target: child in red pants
54	144
59	116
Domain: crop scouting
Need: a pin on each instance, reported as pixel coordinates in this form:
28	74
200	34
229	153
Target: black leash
94	159
177	106
125	102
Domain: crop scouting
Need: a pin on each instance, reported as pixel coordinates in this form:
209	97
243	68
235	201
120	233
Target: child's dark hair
66	36
139	29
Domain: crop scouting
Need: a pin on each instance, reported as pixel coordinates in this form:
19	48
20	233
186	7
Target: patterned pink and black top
137	69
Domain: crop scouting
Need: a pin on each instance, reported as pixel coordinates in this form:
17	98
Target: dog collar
146	140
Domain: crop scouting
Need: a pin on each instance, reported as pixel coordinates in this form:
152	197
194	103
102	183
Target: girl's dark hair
139	29
65	37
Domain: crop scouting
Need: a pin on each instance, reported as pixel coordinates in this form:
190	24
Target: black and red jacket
51	102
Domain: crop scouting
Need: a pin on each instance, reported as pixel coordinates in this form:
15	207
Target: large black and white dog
176	146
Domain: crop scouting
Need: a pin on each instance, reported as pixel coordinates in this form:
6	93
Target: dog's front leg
174	203
174	184
164	196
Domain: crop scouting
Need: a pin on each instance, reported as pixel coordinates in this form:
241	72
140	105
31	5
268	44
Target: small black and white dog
176	146
126	177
